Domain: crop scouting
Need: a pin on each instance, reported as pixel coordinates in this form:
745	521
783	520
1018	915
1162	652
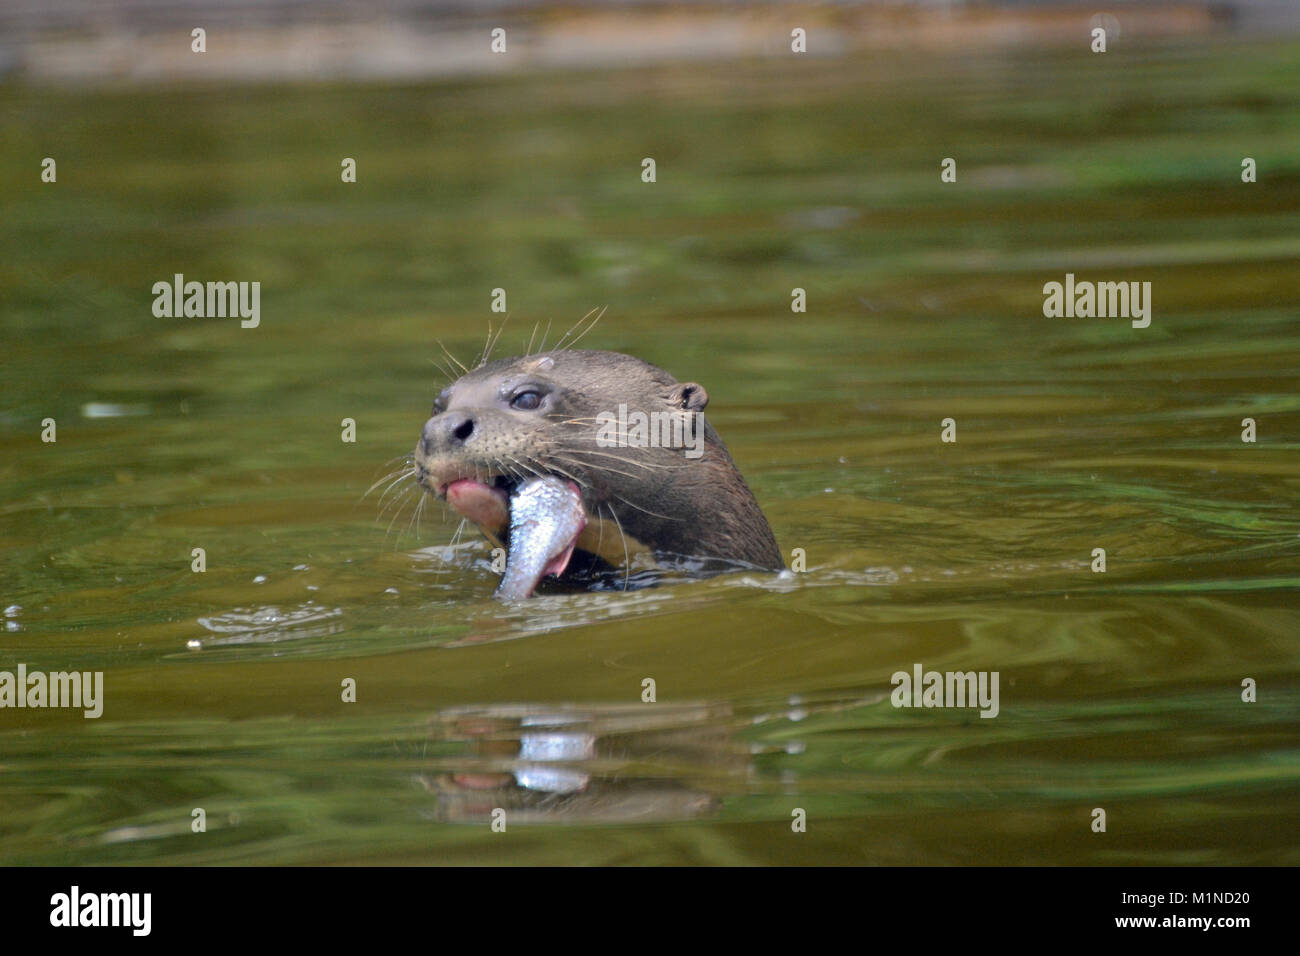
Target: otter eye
526	401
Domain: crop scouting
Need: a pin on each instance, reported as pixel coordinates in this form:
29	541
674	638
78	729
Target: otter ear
691	396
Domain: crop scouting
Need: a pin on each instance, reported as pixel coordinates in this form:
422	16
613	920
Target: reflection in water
878	784
584	764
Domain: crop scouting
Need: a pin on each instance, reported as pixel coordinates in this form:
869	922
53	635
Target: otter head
652	474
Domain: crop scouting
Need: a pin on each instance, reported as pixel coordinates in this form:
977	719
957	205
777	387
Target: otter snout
475	442
445	431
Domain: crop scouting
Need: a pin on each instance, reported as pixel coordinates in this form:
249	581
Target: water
223	689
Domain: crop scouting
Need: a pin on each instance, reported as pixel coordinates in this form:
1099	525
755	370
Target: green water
1119	690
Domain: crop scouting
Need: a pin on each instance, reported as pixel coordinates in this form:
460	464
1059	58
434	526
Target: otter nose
447	429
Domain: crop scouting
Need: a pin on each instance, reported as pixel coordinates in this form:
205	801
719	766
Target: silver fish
546	517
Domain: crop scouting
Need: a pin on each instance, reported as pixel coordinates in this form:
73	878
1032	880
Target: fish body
546	517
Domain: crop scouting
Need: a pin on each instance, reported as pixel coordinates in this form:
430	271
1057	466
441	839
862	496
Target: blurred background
291	40
775	170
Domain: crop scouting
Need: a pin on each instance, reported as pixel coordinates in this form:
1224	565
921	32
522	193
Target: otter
580	417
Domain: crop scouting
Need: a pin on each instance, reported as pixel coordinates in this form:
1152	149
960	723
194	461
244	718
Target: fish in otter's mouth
516	446
545	519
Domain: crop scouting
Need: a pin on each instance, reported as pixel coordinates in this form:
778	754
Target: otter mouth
487	505
540	518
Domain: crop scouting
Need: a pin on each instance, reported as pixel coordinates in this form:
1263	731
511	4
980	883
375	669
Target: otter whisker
560	346
447	352
627	558
605	444
414	512
393	477
512	472
396	504
419	512
399	461
444	369
607	432
553	467
403	457
402	502
492	340
607	468
482	356
504	319
566	474
626	460
395	483
654	514
518	465
406	467
621	439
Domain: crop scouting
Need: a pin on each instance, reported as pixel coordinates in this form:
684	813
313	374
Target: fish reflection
546	764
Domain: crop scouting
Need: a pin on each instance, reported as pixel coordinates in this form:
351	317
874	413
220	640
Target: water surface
1118	690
